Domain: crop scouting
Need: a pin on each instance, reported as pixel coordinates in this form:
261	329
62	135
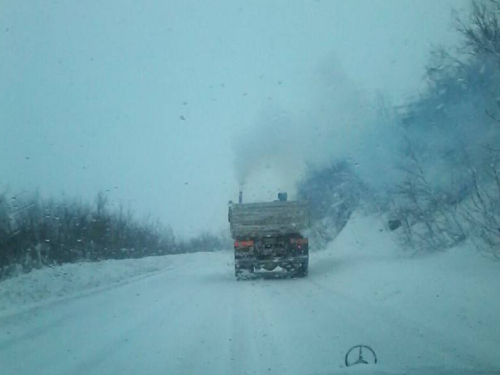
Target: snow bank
454	278
52	283
452	293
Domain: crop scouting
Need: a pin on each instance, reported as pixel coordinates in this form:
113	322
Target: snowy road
194	318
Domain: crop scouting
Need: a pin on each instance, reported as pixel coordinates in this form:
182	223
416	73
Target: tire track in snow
296	328
98	312
112	350
184	339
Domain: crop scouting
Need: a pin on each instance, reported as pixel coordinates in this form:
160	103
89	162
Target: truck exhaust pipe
240	197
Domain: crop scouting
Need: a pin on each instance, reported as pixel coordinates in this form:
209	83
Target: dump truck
270	235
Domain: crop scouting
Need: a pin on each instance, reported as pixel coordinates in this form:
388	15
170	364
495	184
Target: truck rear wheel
243	273
302	269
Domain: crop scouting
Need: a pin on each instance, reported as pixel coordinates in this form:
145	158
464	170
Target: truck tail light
243	243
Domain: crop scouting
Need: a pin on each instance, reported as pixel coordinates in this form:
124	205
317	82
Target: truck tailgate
272	218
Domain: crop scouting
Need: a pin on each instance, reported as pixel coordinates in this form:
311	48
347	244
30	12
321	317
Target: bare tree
483	210
428	216
481	32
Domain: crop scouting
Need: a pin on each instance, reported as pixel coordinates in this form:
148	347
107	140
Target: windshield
249	187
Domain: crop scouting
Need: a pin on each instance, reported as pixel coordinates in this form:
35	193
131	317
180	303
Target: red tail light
243	243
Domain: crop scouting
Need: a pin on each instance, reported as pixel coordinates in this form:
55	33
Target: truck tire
242	273
303	269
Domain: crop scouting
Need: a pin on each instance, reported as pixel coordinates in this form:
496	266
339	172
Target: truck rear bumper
259	263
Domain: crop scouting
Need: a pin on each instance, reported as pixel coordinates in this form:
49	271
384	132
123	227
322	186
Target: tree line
447	188
37	232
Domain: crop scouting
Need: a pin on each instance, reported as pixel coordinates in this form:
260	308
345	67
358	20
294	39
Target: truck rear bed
250	220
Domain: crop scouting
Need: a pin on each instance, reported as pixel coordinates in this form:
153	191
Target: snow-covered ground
186	314
52	284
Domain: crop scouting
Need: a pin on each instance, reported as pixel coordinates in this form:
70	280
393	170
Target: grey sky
150	99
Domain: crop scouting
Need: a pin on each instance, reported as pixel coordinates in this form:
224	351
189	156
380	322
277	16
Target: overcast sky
153	101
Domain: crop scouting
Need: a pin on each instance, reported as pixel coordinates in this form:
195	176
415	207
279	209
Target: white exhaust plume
337	124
